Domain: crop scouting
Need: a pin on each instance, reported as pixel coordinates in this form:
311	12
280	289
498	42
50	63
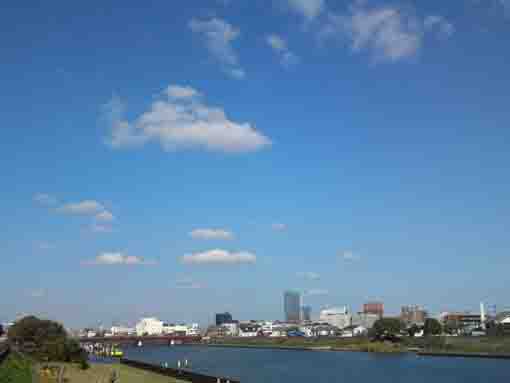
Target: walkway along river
282	366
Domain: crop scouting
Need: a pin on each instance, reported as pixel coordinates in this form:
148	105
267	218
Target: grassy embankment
101	373
488	345
16	369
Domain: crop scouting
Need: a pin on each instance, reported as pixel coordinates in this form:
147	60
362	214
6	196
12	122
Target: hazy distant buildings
339	317
292	306
221	318
376	308
306	313
413	314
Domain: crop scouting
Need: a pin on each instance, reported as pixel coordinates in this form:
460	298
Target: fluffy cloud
219	36
439	24
309	9
105	216
45	199
211	234
87	207
388	33
218	256
118	259
279	226
310	275
182	121
45	246
279	45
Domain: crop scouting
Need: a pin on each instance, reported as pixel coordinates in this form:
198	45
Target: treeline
45	340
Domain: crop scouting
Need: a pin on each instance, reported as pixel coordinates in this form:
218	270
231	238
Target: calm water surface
267	366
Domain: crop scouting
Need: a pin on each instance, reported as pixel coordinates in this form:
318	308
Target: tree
432	327
46	340
413	330
1	330
386	328
495	329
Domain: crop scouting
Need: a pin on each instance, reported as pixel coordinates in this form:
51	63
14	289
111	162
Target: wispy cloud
310	275
279	45
45	246
439	24
86	207
309	9
314	292
348	255
105	216
37	293
182	121
45	199
218	256
99	228
188	284
219	36
211	234
118	258
279	226
388	33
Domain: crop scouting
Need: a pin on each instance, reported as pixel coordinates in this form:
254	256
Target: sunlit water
267	366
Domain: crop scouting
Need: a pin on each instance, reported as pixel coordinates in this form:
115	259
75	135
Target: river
268	366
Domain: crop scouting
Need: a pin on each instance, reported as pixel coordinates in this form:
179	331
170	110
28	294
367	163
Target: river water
268	366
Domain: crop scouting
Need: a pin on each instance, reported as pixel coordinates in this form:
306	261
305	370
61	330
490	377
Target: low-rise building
365	320
231	328
413	314
122	330
339	317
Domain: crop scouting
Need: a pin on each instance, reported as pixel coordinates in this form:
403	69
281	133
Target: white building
122	330
231	328
337	316
149	326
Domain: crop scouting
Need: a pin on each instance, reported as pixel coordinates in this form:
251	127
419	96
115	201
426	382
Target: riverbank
483	347
16	369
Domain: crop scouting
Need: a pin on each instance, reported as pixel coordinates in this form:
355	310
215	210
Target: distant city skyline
179	160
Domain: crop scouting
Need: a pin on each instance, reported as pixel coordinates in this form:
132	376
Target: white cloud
310	275
309	9
86	207
348	255
313	292
219	36
218	256
105	216
187	123
211	234
439	23
118	258
236	73
279	226
45	199
279	45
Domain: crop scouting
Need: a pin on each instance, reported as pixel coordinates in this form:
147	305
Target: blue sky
183	158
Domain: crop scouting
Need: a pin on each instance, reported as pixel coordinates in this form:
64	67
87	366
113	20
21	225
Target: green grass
16	369
101	373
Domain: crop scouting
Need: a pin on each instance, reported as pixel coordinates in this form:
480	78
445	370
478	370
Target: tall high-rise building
306	313
223	318
292	306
